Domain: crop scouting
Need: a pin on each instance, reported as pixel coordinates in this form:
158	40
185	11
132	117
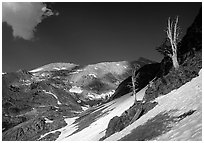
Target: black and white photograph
101	71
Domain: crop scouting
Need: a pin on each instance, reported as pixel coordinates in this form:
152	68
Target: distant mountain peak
145	60
54	67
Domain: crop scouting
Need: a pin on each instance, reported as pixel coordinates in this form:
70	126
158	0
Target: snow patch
56	68
36	70
101	96
85	107
91	96
48	92
76	89
79	70
74	72
48	120
91	74
141	93
107	94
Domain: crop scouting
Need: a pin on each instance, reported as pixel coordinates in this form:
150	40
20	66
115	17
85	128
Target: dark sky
87	33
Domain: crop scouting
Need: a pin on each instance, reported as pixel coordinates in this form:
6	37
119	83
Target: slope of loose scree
43	100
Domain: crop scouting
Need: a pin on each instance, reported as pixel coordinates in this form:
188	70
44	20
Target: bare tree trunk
175	61
133	84
172	34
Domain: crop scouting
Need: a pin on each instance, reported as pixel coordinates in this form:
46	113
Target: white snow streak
76	89
91	74
36	70
56	68
48	120
48	92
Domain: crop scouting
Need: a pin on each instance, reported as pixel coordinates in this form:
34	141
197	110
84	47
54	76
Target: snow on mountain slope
55	66
91	124
36	70
185	101
97	128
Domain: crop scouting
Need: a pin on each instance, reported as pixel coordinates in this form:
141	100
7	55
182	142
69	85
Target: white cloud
23	17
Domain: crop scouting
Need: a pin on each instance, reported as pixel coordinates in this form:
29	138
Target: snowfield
186	98
96	129
92	123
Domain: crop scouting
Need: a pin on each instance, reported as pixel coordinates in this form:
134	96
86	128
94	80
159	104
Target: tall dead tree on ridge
173	34
172	38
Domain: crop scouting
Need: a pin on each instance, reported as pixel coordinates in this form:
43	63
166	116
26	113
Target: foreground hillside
177	116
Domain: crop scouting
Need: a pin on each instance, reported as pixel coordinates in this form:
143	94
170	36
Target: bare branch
172	33
175	30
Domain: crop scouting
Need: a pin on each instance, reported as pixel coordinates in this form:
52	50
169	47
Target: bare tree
172	38
134	81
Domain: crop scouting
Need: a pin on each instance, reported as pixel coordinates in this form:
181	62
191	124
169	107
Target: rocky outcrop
31	130
116	124
146	74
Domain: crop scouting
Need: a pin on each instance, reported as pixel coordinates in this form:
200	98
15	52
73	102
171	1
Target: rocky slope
143	77
39	101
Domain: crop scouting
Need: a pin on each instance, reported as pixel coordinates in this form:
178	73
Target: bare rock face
117	124
145	74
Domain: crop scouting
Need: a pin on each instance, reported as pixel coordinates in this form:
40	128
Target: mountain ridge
66	66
